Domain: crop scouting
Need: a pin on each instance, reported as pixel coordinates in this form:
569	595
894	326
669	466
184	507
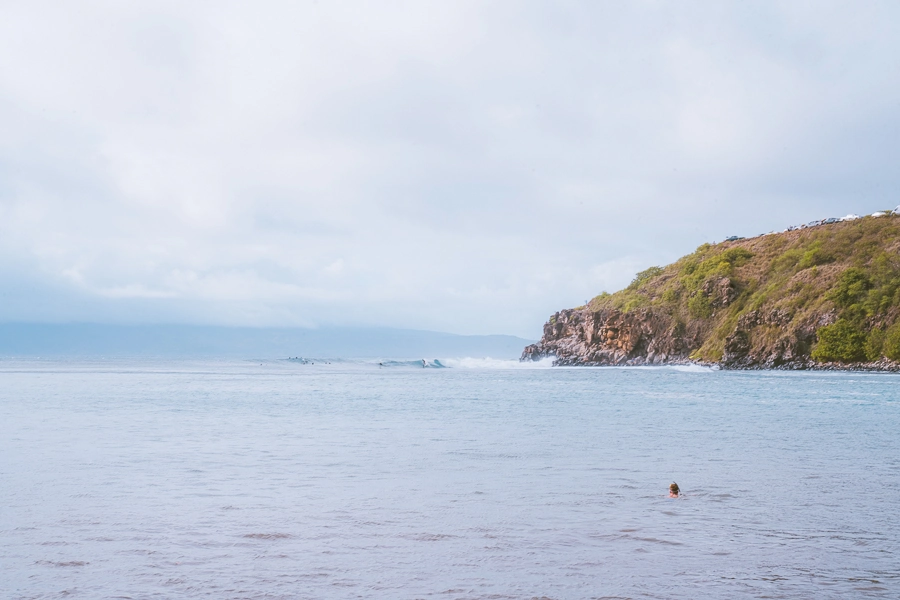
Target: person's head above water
674	490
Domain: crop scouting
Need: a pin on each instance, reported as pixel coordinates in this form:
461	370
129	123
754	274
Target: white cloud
462	166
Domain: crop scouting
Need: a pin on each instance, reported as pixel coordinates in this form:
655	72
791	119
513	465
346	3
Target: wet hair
674	489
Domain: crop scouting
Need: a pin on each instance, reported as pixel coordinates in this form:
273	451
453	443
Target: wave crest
467	362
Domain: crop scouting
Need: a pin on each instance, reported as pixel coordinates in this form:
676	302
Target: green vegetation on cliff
840	280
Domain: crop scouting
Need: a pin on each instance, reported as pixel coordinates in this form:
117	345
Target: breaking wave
469	362
428	363
497	363
688	368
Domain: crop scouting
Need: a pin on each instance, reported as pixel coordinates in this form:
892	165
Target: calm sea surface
167	479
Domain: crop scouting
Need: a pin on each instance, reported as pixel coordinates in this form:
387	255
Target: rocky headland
821	296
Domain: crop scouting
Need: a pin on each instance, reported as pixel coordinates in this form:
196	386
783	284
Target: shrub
875	344
643	276
670	295
694	273
842	341
736	257
891	347
633	303
815	255
788	260
884	278
852	286
699	306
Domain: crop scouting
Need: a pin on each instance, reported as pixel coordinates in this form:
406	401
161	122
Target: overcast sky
469	167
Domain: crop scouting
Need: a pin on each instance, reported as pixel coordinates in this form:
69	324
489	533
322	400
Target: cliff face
648	337
820	297
613	337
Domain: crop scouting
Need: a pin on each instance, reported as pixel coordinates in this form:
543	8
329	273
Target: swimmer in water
674	490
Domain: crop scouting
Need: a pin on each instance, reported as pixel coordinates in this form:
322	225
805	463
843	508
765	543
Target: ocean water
484	479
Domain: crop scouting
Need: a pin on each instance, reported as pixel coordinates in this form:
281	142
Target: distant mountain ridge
88	339
821	295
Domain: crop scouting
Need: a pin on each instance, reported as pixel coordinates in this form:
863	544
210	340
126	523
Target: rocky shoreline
582	337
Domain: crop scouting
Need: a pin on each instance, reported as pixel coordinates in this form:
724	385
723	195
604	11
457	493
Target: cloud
463	166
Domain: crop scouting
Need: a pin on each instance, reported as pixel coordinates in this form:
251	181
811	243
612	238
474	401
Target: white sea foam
680	368
471	362
466	362
496	363
693	368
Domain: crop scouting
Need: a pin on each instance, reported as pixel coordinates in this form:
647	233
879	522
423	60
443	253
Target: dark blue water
282	480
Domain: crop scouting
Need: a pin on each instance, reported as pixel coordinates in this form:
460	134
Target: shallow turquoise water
124	479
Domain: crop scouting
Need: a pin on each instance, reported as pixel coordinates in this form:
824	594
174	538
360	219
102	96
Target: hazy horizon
22	340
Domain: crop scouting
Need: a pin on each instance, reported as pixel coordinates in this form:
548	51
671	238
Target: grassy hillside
844	276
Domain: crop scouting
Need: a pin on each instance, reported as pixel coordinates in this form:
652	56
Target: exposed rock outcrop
644	337
767	339
613	337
